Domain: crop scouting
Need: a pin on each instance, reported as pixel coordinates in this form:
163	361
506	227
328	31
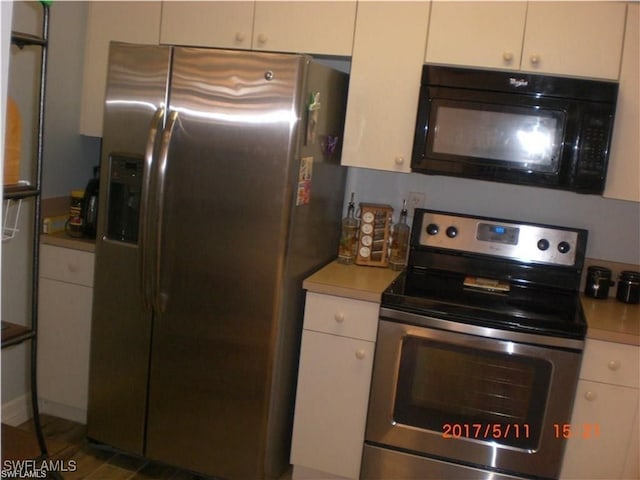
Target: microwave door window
527	140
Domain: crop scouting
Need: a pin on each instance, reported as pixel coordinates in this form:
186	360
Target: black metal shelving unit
14	333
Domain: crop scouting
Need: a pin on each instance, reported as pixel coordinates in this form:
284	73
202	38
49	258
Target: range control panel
525	242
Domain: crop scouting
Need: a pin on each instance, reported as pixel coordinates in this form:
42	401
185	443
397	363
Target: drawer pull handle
360	354
614	365
73	268
339	317
507	57
590	396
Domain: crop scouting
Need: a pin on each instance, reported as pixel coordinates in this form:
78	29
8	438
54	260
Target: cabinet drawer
341	316
610	362
66	265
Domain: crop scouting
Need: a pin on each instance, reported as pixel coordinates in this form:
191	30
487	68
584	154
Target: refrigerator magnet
312	118
304	181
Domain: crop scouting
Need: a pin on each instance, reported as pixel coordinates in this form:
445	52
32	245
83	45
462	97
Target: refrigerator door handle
159	297
152	140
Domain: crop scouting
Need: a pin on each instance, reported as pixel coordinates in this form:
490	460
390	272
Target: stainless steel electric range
479	346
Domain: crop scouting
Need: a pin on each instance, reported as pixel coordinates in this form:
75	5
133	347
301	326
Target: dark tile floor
66	443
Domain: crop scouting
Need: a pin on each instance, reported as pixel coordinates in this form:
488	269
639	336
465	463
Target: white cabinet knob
339	317
262	39
399	160
240	37
507	57
590	396
360	354
72	267
534	59
614	365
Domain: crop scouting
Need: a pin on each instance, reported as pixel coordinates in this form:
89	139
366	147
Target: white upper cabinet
221	24
574	38
386	68
565	38
623	176
476	34
135	22
319	27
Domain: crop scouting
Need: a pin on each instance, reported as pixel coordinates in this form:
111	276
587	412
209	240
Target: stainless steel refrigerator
220	190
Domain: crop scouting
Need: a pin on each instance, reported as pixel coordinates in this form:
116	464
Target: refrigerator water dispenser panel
125	185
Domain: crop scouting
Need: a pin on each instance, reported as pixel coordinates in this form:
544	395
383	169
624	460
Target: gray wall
68	156
614	225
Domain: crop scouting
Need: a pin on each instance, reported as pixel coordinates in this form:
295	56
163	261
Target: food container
629	287
598	282
74	224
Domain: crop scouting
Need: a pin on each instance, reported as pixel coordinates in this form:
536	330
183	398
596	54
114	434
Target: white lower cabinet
603	432
334	378
64	328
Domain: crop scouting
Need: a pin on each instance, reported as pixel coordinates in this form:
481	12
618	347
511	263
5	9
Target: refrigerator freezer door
227	209
121	326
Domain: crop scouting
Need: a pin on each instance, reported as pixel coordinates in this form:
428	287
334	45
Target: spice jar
628	287
74	224
598	282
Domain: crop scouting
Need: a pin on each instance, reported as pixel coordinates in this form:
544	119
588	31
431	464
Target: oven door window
463	392
526	138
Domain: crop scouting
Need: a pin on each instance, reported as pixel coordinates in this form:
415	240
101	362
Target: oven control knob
543	244
452	232
564	247
433	229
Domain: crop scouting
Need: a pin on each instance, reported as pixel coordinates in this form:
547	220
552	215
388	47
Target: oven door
474	400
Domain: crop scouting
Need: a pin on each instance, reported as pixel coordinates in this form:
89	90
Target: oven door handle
488	333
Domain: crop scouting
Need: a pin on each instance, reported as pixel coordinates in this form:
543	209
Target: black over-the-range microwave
545	131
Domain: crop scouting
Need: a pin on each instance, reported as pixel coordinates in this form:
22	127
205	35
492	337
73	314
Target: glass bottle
349	236
400	241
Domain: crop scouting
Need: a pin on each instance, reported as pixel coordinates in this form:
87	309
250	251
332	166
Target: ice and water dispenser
125	185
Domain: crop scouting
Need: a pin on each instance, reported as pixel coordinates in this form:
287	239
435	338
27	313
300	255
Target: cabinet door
320	27
386	68
212	24
331	403
574	38
63	348
632	463
623	176
601	429
480	34
136	22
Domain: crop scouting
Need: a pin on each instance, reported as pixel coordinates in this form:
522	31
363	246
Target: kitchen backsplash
614	225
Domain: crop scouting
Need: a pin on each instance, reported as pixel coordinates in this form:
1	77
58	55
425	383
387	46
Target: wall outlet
415	200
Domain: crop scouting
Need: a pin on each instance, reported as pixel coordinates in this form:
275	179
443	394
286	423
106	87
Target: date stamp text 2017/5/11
485	431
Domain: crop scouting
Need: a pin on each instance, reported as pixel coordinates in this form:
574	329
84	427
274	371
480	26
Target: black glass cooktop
503	305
